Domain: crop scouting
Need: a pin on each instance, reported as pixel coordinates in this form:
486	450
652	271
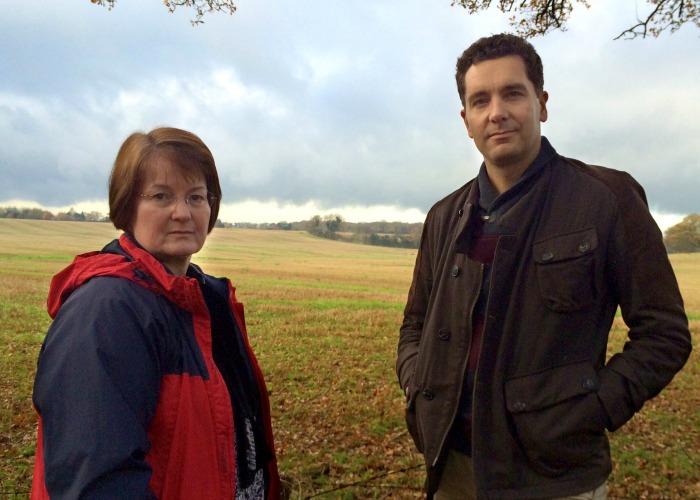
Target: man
502	352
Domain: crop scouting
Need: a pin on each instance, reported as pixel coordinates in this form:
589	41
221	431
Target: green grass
323	319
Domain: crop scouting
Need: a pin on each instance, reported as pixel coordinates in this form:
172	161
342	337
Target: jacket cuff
614	394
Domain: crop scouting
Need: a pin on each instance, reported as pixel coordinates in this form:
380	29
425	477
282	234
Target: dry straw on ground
323	318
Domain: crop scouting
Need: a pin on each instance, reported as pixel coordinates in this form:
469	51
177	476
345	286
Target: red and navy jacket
130	401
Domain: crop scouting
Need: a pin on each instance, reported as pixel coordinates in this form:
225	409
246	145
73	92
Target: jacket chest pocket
565	267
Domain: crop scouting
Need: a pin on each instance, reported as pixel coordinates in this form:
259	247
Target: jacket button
444	334
584	247
588	384
547	256
455	270
519	406
428	394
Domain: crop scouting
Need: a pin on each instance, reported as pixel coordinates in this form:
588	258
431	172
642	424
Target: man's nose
498	111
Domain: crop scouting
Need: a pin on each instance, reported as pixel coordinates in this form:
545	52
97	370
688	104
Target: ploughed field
323	319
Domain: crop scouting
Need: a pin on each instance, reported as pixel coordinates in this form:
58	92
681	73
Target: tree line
42	214
331	226
382	233
684	237
334	227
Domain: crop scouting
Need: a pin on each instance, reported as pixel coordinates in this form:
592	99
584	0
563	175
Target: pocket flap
549	387
565	247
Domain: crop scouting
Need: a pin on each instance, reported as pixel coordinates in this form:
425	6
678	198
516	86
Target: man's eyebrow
505	88
515	86
478	93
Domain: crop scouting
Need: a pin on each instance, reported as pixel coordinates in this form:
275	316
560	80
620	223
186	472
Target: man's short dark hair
493	47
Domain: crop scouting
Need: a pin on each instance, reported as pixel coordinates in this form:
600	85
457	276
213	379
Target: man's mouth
500	133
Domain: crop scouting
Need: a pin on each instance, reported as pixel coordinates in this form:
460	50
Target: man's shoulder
618	182
603	174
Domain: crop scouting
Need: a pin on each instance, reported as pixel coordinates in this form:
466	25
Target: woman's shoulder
112	315
114	300
113	290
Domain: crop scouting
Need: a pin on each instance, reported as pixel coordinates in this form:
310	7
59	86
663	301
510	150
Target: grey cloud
335	102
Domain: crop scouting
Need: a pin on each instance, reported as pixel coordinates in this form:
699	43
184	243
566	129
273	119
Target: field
323	319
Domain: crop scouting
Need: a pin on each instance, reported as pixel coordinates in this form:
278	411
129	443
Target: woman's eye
197	198
160	196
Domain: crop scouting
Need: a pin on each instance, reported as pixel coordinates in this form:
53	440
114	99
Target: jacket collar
481	195
490	200
125	258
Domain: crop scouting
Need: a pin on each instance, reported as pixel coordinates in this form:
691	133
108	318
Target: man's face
503	113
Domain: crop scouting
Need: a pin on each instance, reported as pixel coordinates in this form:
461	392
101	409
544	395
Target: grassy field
323	318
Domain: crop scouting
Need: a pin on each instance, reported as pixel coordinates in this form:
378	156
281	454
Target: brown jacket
583	243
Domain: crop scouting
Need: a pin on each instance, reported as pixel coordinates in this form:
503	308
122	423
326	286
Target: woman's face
174	232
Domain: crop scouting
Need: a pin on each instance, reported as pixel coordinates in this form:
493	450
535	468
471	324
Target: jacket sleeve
415	311
658	342
96	390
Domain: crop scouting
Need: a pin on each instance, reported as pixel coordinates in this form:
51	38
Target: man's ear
463	114
543	98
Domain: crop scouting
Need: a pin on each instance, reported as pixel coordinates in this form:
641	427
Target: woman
146	386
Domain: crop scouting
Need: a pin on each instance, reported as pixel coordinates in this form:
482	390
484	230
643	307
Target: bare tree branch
529	18
644	25
200	7
668	15
538	17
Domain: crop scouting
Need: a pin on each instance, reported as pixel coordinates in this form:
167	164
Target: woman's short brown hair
137	155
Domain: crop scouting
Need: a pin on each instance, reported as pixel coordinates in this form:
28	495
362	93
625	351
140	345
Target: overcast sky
315	107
